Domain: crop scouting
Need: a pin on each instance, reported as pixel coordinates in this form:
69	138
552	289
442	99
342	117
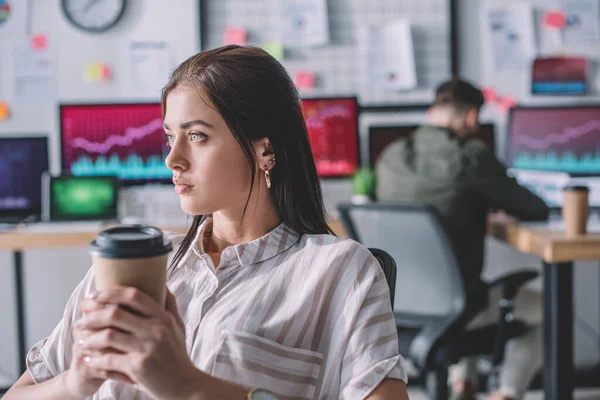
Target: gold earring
268	178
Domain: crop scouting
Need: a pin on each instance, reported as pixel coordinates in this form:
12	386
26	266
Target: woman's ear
265	156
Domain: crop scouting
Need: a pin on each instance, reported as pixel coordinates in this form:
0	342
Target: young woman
263	301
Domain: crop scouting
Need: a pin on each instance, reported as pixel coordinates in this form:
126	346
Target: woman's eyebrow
189	124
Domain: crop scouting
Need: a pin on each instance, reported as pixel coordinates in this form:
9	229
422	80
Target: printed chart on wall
565	140
512	36
333	134
124	140
582	21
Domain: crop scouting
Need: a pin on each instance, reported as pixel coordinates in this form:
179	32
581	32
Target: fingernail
91	295
81	342
87	359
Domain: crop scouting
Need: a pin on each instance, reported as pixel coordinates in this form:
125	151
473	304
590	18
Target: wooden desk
23	239
338	227
558	254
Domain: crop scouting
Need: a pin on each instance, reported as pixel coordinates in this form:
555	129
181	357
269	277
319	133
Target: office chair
431	306
389	269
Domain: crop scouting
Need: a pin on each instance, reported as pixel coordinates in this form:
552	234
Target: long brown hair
257	99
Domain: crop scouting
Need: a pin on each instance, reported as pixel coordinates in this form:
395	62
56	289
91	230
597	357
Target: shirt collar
268	246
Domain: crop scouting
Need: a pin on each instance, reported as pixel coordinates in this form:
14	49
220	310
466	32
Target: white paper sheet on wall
583	21
149	70
512	36
305	22
34	73
390	56
14	17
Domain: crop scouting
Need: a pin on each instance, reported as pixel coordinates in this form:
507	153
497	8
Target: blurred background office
81	140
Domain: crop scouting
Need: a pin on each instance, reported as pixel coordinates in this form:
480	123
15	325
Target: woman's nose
176	159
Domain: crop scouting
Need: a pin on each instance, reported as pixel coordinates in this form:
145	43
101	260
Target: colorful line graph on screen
568	135
565	140
124	140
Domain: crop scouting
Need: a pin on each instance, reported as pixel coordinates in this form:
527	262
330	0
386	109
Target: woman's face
210	169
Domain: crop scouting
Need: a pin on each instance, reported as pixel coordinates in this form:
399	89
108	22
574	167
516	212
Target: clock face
93	15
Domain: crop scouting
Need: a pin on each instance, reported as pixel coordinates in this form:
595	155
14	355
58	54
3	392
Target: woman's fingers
116	318
107	339
132	298
110	361
90	372
117	376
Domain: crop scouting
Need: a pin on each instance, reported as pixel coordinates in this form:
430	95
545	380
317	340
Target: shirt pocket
256	362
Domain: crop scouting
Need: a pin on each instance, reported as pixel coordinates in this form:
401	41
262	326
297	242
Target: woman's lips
182	189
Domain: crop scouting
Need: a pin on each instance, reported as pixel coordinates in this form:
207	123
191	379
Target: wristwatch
260	394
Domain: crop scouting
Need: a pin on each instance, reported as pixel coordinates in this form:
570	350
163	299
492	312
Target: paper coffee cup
575	210
132	255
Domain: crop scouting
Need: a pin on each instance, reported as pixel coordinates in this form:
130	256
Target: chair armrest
511	283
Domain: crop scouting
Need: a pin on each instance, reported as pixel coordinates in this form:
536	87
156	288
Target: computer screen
23	160
381	136
82	198
561	139
125	140
333	133
549	185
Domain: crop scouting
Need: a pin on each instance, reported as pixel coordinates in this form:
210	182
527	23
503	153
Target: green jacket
463	180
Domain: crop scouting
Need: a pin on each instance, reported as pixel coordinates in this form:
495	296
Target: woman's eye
170	138
197	137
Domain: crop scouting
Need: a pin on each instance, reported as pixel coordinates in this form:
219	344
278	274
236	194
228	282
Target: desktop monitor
333	134
23	160
560	139
381	136
124	140
80	198
549	185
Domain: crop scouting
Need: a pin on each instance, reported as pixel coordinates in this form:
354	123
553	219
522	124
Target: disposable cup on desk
575	210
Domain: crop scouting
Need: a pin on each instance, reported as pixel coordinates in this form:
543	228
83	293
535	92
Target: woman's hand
140	342
81	379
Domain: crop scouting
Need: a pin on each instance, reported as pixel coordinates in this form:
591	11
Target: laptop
80	199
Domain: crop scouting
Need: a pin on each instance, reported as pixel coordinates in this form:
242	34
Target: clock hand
89	5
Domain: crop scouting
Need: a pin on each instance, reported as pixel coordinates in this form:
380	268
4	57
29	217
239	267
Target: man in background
442	164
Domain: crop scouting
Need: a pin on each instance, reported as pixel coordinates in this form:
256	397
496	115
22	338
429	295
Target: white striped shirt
305	316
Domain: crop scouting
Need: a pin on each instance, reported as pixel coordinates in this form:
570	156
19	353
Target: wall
340	65
50	276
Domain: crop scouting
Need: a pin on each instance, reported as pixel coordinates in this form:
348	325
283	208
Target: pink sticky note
506	103
106	72
555	19
235	35
304	79
489	94
39	42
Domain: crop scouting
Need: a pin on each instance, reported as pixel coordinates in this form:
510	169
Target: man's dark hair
458	93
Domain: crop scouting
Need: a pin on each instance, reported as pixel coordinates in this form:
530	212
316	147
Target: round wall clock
93	15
